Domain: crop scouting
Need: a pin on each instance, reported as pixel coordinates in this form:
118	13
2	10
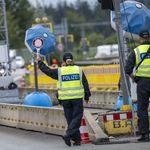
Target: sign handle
38	51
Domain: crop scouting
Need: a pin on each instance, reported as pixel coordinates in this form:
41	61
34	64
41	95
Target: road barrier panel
119	123
114	75
107	75
100	79
44	119
104	77
98	99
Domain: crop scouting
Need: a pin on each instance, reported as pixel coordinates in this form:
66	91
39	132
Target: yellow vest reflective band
144	68
69	83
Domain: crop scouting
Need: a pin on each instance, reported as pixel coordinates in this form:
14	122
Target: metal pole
65	30
119	30
126	56
37	9
44	14
35	73
66	33
83	38
6	32
43	7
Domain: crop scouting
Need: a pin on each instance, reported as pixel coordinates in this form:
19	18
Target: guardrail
43	119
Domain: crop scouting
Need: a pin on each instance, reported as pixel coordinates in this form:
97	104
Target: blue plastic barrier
119	103
38	99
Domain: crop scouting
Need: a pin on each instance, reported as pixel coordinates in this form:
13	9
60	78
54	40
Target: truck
107	50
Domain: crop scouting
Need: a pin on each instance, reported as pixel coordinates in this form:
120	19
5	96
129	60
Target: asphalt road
18	139
18	73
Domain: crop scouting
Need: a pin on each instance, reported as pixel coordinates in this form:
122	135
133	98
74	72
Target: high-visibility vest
144	68
69	83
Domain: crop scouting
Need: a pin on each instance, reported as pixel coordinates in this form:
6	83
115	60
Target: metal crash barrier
43	119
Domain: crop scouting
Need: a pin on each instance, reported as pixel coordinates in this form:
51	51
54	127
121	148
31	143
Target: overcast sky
54	2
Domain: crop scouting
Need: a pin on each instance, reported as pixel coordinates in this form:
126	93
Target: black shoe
66	138
76	144
144	138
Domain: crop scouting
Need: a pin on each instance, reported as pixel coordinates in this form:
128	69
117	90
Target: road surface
18	139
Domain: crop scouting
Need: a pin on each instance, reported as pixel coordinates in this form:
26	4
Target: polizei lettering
70	77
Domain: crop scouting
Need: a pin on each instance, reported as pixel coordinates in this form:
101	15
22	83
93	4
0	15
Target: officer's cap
67	56
144	33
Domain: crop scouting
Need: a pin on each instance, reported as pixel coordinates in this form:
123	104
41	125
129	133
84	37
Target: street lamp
37	20
45	19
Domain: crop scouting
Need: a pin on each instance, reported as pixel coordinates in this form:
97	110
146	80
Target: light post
45	19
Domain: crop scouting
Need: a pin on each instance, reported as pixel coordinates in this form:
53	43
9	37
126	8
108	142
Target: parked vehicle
12	57
20	63
107	50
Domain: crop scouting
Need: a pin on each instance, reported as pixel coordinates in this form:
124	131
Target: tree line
21	15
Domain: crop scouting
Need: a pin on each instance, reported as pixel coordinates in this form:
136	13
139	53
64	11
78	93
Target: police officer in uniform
72	87
142	78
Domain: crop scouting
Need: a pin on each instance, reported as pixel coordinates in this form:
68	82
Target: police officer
72	87
143	82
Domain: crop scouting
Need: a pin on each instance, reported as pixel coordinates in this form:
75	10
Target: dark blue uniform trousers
73	112
143	94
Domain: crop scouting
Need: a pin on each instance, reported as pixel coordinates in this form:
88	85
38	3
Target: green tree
74	18
83	8
22	13
56	55
96	39
13	28
112	39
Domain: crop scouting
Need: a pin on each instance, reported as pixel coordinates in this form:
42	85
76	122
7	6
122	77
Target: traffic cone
23	82
84	133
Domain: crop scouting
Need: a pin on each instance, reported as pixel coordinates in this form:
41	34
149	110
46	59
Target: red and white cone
84	133
23	82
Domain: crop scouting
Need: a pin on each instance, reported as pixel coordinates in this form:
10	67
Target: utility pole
37	8
64	26
83	38
83	25
119	30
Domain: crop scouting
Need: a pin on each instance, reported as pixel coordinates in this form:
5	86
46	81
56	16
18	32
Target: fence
104	77
99	99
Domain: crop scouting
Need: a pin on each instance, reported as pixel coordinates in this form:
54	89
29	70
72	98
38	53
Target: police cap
144	33
67	56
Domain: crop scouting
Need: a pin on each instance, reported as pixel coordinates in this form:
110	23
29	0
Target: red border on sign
61	45
40	40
